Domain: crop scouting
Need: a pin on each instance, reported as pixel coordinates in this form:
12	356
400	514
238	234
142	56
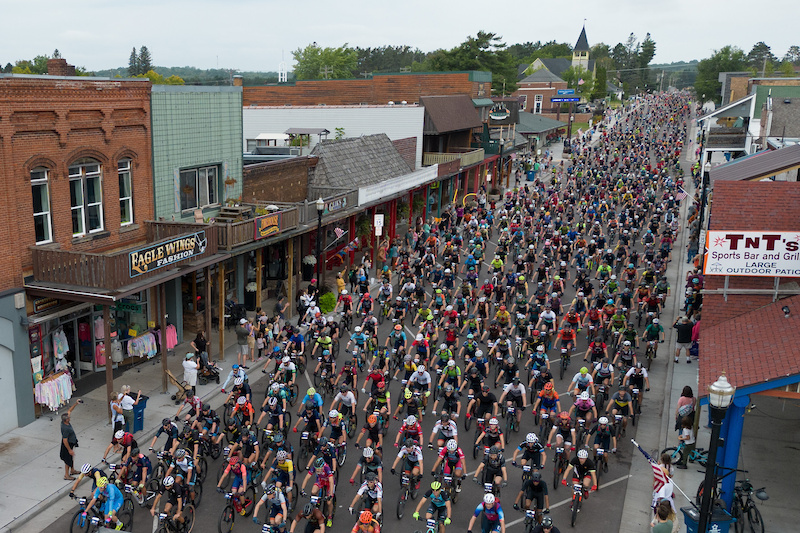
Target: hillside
196	76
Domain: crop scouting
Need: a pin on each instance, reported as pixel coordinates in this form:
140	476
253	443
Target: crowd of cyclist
476	338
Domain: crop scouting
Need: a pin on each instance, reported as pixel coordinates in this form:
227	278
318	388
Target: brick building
75	159
380	89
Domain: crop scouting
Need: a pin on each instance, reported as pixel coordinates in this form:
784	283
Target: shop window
86	197
42	222
125	192
199	187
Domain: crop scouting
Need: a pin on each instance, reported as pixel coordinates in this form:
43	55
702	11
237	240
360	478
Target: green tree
787	69
386	58
600	84
727	59
759	54
22	69
157	79
133	63
553	49
578	78
600	51
314	62
8	68
647	50
145	62
793	55
522	51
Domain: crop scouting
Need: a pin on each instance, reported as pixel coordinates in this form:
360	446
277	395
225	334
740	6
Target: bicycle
91	519
561	461
565	358
649	354
432	525
168	525
577	500
676	453
600	458
407	490
745	507
232	508
307	446
545	425
511	420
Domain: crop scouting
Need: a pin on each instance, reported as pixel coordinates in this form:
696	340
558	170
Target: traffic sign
566	91
565	99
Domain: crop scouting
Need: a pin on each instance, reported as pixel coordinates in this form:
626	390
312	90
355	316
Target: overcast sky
257	34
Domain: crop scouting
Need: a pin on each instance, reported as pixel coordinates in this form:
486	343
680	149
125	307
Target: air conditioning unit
295	151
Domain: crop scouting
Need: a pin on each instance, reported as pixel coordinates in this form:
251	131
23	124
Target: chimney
60	67
237	81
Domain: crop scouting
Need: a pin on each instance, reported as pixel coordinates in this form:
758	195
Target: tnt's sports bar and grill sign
753	253
166	253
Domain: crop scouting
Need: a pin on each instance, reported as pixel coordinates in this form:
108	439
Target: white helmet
419	336
344	292
411	420
602	420
421	369
238	381
86	468
448	308
368	452
452	445
286	359
333	414
493	422
584	395
451	363
357	329
488	498
443	346
169	481
119	434
478	353
530	438
626	343
583	454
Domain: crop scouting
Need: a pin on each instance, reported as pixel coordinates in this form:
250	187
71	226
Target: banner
166	253
267	225
752	253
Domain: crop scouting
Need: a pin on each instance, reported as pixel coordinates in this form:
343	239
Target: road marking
569	500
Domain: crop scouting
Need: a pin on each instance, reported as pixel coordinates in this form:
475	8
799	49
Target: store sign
336	204
129	307
166	253
267	225
499	112
752	253
43	304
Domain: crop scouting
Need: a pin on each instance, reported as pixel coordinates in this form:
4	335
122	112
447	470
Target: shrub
327	302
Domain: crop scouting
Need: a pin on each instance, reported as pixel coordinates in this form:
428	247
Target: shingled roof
354	162
542	75
583	43
759	165
755	206
444	114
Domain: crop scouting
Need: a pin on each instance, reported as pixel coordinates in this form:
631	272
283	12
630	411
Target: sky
256	35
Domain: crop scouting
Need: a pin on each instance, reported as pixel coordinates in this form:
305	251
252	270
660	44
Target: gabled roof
739	348
542	75
533	124
583	44
521	68
357	161
482	102
755	205
444	114
739	108
758	166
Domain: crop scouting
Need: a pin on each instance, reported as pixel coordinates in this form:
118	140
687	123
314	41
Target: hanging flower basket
251	287
309	260
230	181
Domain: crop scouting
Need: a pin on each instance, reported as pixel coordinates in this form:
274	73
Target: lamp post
320	208
720	396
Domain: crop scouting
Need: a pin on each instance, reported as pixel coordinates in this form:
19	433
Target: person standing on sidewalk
242	333
688	440
127	404
686	406
684	341
190	371
69	441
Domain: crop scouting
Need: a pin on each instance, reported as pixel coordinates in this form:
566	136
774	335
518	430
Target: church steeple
583	43
580	54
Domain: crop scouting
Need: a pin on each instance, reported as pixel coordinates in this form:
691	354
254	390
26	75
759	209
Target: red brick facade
276	181
378	90
52	123
546	90
408	150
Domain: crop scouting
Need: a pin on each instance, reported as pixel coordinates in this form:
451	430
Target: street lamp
320	208
720	396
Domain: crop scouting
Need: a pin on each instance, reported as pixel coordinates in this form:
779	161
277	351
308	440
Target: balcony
234	234
466	158
727	138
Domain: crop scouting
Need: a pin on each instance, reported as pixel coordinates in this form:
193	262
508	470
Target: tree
553	49
387	58
793	55
600	85
727	59
157	79
133	64
578	78
647	50
760	54
315	62
787	69
56	54
522	51
145	62
8	68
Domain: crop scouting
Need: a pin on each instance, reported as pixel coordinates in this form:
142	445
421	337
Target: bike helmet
238	381
451	363
168	481
233	460
86	468
536	476
411	420
344	292
119	434
368	452
530	438
309	406
134	452
408	394
357	329
273	402
366	517
564	415
180	453
445	418
418	337
281	455
488	499
548	386
372	419
286	359
408	443
452	445
271	489
333	414
626	343
166	422
371	476
320	462
242	400
493	422
584	396
421	369
547	521
583	454
602	421
308	508
584	370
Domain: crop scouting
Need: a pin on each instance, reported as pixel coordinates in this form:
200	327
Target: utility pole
326	72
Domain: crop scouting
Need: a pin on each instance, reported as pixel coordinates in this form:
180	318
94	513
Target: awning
306	131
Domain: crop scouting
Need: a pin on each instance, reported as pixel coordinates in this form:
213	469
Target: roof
482	102
556	65
758	350
760	165
776	208
357	161
779	96
583	44
739	108
306	131
543	75
530	123
444	114
521	68
612	88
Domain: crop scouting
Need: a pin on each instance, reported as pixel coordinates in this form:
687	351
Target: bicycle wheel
78	523
335	348
295	391
302	458
127	503
227	413
556	473
576	506
225	523
214	450
202	469
754	517
220	472
249	500
737	515
509	424
126	517
467	422
381	316
563	368
198	494
675	454
401	505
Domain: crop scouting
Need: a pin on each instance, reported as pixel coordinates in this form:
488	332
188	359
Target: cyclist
371	491
136	469
373	432
111	498
450	401
281	473
548	400
604	435
312	419
584	408
534	488
514	393
484	404
275	499
440	506
380	401
626	357
453	461
244	406
175	495
411	454
563	430
239	486
272	409
170	429
411	429
581	381
583	471
444	429
654	332
366	524
493	467
369	462
92	473
620	403
327	451
532	452
315	518
323	480
597	350
125	441
420	381
492	435
636	378
491	515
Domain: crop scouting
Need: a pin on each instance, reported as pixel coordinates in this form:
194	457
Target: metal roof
759	165
543	75
739	108
306	131
583	43
530	123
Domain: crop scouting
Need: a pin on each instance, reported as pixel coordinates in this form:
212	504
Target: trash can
720	520
138	414
531	175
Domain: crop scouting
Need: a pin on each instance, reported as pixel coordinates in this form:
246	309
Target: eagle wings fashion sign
166	253
753	253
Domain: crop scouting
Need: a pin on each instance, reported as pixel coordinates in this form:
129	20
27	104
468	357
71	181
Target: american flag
581	82
339	232
659	477
681	195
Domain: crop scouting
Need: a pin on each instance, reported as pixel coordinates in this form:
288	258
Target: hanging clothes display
84	332
143	346
116	351
100	354
60	349
54	391
172	337
99	328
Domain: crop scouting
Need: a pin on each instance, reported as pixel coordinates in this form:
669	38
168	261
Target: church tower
580	54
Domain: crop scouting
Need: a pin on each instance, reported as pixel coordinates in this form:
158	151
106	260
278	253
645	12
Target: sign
566	91
43	304
129	307
336	204
752	253
576	99
267	225
499	112
166	253
379	220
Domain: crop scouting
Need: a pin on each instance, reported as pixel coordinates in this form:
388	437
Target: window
125	192
199	188
41	205
86	197
251	145
537	103
523	104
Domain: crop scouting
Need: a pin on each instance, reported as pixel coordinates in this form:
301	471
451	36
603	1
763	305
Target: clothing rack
58	397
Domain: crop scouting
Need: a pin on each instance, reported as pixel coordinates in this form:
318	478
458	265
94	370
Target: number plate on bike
82	502
530	514
600	451
405	480
545	416
487	487
511	410
559	450
448	479
162	516
304	435
228	496
617	417
577	487
526	468
636	391
431	522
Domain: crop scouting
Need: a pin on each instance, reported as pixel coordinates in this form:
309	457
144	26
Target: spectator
127	404
692	248
684	340
117	418
340	284
190	371
686	406
200	346
69	441
383	252
280	309
663	519
242	333
688	440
